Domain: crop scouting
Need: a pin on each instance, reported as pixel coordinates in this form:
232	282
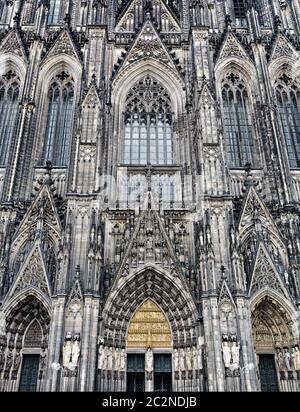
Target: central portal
149	350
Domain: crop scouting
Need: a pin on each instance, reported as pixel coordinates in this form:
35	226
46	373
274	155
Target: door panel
29	373
135	373
268	374
162	373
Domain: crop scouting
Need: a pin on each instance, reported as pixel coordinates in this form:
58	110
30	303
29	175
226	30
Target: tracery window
60	116
264	13
34	335
29	11
237	122
288	99
239	9
3	11
9	100
148	124
54	12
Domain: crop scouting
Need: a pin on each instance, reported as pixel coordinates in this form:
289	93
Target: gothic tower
149	195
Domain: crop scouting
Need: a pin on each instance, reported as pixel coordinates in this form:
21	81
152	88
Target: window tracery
54	14
60	118
288	99
9	100
239	8
148	124
29	11
237	122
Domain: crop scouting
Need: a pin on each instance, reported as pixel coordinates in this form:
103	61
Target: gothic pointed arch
166	290
149	327
147	50
265	274
32	275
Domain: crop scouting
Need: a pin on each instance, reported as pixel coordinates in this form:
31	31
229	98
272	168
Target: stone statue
280	360
149	361
182	360
188	359
287	359
105	358
195	358
235	351
75	350
226	354
199	358
123	360
176	360
117	359
110	359
100	356
67	350
297	358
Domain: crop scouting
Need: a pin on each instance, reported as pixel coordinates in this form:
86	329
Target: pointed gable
282	48
265	274
42	207
12	43
91	98
149	245
225	294
148	45
63	45
232	48
76	292
32	273
254	209
206	96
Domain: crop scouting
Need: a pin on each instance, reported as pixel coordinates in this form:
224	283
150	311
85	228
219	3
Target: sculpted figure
188	359
199	358
100	356
182	360
123	360
117	359
75	350
226	354
110	359
235	350
297	358
280	360
287	359
176	360
149	361
67	350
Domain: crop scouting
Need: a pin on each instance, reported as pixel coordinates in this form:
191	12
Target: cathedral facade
150	195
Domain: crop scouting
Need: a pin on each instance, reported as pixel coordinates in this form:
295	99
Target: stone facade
191	255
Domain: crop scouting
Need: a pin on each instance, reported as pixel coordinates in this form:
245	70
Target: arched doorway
274	342
26	340
149	350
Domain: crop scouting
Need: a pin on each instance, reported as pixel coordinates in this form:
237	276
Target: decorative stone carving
235	351
75	350
149	361
176	360
67	350
226	354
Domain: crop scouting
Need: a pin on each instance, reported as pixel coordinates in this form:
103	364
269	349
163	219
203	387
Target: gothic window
60	101
29	11
3	11
34	335
239	8
54	12
148	125
9	99
237	122
288	99
264	13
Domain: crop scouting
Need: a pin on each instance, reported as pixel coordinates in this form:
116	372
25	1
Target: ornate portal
149	327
